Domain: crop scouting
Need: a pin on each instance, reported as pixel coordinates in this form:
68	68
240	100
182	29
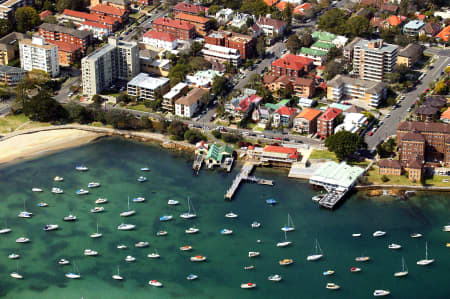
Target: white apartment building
344	87
98	30
145	87
160	40
221	54
188	105
117	60
374	58
224	15
36	54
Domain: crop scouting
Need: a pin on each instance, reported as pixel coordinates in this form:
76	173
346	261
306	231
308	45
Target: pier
244	175
330	199
198	162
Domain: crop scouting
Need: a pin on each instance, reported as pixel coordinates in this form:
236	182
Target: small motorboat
16	275
271	201
226	231
248	285
22	240
122	246
153	255
127	213
286	262
332	286
446	228
70	218
173	202
256	224
81	168
93	185
357	235
63	262
13	256
328	273
145	169
73	275
56	190
186	248
50	227
25	214
362	258
416	235
58	179
5	230
141	244
379	233
97	210
37	190
317	198
162	233
284	244
253	253
125	226
231	215
275	277
192	230
249	267
101	201
394	246
130	258
155	283
90	252
166	218
380	293
82	192
42	204
192	277
138	199
355	269
142	179
198	258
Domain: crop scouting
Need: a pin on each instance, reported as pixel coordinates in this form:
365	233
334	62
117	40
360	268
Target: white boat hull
425	262
314	257
401	274
284	244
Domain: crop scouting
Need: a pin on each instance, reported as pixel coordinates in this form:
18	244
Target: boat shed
338	176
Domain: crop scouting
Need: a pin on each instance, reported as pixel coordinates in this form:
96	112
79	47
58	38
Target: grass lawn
11	122
360	164
323	154
437	181
374	178
140	107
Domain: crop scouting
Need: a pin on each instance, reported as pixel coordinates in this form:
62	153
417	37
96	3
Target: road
63	94
389	126
147	24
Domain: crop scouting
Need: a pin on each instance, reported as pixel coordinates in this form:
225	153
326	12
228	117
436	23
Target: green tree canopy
177	130
333	21
213	9
358	26
344	143
255	7
26	18
178	73
193	136
5	27
219	85
42	107
293	43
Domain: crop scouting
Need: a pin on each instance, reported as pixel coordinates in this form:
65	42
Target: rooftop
110	10
424	127
285	110
30	42
324	36
370	86
309	114
65	46
174	23
314	52
10	69
330	114
444	34
411	50
291	61
388	163
323	45
193	96
376	45
10	39
94	24
341	175
191	8
62	29
143	80
271	22
174	91
191	18
446	114
160	35
414	25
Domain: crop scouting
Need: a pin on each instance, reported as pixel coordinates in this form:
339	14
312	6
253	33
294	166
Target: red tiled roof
421	17
309	114
109	10
173	23
284	110
444	34
291	61
446	114
192	8
271	22
270	2
302	8
415	164
387	163
254	98
90	17
64	46
93	24
245	103
190	18
330	113
44	14
292	152
160	35
282	5
395	20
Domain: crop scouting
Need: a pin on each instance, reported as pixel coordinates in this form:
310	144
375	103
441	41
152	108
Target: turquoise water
115	164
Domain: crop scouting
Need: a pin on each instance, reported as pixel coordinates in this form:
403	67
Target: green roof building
277	105
217	153
313	52
324	36
323	46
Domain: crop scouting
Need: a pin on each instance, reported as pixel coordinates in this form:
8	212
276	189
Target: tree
5	27
332	69
306	39
196	47
392	77
213	9
293	43
155	105
440	88
333	21
358	26
51	19
177	130
287	15
178	73
48	5
260	46
334	53
255	7
26	18
219	85
198	63
403	10
193	136
42	107
216	134
78	113
344	143
384	178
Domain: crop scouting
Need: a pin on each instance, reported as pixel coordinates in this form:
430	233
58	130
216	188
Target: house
275	155
444	35
318	57
389	167
53	32
78	17
188	105
394	21
409	55
284	116
430	108
303	9
271	27
201	148
445	116
191	9
145	87
261	114
322	36
168	103
224	15
11	76
415	170
241	108
202	24
327	122
202	79
123	4
245	44
8	47
161	40
413	27
301	87
306	121
240	19
430	29
217	154
110	11
181	29
307	103
352	122
291	66
45	14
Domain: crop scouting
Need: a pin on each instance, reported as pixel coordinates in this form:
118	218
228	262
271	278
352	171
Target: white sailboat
318	254
153	255
425	261
75	274
16	274
404	271
128	212
285	242
6	229
189	214
290	225
117	276
96	234
24	213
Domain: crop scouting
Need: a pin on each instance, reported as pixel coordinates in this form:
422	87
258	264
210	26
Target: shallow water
115	163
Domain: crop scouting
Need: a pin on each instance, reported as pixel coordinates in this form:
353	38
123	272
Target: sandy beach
39	143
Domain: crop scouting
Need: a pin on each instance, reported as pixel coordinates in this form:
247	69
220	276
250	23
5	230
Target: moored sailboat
404	270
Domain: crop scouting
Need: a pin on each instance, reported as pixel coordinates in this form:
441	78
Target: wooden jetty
198	162
243	175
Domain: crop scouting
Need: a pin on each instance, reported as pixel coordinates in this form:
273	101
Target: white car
388	115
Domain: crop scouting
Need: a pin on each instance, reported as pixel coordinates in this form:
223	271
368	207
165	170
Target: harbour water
115	163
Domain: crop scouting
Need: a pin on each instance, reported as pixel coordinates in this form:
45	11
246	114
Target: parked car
370	133
388	115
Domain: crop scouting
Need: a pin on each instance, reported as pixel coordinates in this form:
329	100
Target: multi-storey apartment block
244	43
53	32
36	54
327	122
181	29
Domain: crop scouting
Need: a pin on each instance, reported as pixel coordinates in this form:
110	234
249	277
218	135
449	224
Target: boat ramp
244	175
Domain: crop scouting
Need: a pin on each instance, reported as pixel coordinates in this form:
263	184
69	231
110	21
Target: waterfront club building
275	155
339	176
